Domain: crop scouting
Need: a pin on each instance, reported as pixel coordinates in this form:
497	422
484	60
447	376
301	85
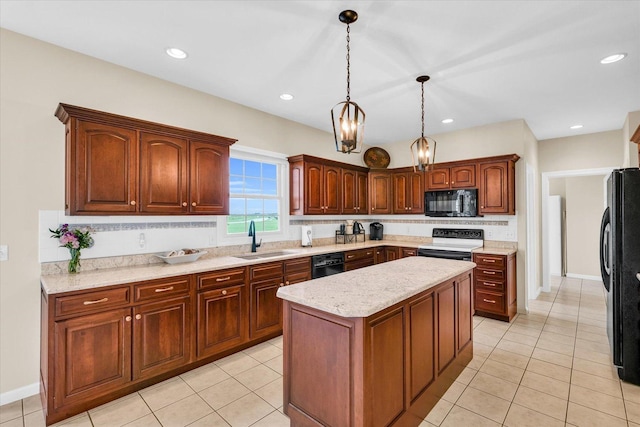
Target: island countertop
366	291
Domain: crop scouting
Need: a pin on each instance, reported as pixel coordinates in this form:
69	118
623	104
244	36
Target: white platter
178	259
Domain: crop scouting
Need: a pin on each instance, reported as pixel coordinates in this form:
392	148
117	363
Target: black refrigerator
620	268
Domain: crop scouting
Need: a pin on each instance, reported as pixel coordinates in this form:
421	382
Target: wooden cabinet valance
118	165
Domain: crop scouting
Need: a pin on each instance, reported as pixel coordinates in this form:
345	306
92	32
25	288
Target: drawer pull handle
488	272
369	253
98	301
489	284
488	260
223	279
489	300
224	292
350	256
168	288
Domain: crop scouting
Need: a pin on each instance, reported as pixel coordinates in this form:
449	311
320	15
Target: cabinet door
163	174
438	179
463	176
222	323
494	189
465	322
349	191
161	337
296	188
265	309
400	190
208	193
421	338
92	356
415	192
380	255
446	326
102	165
332	189
381	200
314	184
391	254
362	192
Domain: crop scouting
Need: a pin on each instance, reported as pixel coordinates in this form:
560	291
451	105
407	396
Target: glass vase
74	262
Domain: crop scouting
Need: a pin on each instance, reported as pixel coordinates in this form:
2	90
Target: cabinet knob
127	319
193	204
453	182
286	283
481	207
281	284
138	316
132	203
410	208
224	292
373	209
184	203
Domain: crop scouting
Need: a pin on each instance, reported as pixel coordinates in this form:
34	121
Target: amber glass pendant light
347	116
423	149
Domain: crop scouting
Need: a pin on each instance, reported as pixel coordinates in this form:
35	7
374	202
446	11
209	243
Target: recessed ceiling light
447	121
286	97
576	127
176	53
613	58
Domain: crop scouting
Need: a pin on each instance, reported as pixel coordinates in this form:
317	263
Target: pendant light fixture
423	149
347	116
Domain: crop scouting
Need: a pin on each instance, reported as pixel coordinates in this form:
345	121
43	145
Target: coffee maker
375	231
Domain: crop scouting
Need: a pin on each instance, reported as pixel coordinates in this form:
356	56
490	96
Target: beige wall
591	151
584	207
630	149
557	187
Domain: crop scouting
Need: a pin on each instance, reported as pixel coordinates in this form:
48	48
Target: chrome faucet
252	233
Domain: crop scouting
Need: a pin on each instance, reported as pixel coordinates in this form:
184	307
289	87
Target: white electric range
453	243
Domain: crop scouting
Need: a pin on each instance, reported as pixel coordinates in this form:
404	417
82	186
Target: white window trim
258	155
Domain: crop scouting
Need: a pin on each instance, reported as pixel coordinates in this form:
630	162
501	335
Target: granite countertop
58	283
495	251
366	291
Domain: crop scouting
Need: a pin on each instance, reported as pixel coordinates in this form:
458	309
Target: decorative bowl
376	157
173	257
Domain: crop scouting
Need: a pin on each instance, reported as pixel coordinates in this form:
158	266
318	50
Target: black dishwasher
327	264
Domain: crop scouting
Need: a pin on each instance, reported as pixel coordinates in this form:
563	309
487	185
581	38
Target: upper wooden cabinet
449	177
496	186
319	186
380	192
408	191
117	165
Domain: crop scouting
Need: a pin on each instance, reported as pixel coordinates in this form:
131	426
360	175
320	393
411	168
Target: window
255	195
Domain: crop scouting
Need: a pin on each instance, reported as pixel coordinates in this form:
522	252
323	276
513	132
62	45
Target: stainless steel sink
266	255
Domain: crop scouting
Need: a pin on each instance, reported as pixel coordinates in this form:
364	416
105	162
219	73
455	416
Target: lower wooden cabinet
359	258
222	319
495	286
405	252
391	253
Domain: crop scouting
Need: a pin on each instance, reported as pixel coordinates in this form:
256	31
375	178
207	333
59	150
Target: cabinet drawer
360	263
221	278
489	261
489	274
406	252
359	254
489	301
300	276
266	271
297	265
161	289
490	285
92	301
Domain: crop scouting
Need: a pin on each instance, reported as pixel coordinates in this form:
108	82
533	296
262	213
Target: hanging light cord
422	84
348	67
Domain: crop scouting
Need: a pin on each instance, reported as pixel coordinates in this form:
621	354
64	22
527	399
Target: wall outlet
510	235
488	234
4	252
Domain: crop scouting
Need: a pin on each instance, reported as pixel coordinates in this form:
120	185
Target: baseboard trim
19	393
584	276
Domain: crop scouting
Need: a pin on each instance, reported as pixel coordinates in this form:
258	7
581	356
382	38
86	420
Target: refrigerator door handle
638	276
605	249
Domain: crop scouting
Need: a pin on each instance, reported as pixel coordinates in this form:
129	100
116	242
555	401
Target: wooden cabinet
222	311
355	186
405	252
117	165
380	193
408	191
451	176
359	258
391	253
495	285
496	189
265	308
379	255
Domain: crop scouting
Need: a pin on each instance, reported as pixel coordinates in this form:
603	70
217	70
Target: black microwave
451	202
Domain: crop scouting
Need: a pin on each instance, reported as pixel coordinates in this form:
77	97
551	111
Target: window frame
282	178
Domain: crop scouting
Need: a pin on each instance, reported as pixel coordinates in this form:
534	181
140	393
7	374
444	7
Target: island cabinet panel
92	356
102	165
385	369
118	165
421	350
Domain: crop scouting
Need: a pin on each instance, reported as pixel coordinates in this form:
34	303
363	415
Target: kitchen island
377	346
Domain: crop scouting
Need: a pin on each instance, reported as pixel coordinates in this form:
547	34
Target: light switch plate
4	252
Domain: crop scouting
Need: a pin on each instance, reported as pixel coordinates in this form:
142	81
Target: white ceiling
489	61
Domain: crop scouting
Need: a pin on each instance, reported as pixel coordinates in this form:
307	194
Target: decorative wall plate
376	157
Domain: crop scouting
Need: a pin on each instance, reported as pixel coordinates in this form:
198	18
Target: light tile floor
550	367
